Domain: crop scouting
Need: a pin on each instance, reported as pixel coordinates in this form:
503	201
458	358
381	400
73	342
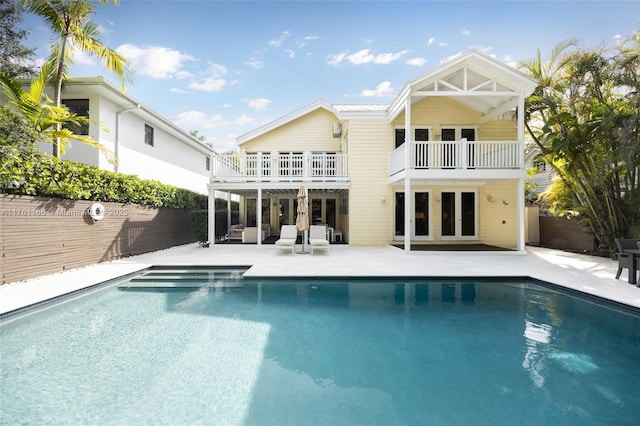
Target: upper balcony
443	158
290	167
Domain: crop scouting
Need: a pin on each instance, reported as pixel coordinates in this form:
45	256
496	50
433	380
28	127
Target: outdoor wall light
491	199
505	202
383	199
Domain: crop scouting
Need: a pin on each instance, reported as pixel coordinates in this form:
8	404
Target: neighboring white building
145	143
544	177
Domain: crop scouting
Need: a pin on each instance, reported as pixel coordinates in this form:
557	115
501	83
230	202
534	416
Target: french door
420	215
458	215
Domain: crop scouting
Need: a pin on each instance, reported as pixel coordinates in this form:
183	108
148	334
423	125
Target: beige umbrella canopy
302	219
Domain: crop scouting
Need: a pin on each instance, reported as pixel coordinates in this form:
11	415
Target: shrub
200	223
35	173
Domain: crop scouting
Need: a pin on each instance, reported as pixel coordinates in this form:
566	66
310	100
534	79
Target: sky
224	68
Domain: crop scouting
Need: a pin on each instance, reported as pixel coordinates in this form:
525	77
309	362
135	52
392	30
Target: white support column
521	201
228	211
521	113
259	215
407	170
211	217
521	212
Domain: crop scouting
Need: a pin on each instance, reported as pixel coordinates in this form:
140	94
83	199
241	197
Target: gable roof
474	79
285	119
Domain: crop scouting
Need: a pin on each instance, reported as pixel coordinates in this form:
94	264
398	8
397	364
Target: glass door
458	215
285	212
420	216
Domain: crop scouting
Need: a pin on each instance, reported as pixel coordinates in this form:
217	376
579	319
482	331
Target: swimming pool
209	347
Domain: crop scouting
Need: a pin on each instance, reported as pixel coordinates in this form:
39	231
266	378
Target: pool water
208	347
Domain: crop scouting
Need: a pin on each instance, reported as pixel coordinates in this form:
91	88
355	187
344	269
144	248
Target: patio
588	274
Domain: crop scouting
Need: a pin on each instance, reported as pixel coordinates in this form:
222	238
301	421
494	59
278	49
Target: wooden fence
565	234
40	236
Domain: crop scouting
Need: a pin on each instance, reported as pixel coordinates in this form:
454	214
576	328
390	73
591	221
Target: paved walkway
588	274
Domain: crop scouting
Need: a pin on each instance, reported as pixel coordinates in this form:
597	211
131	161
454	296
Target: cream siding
311	132
370	218
499	130
437	112
493	214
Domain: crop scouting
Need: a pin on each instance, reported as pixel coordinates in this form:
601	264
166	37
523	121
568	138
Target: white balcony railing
280	167
461	154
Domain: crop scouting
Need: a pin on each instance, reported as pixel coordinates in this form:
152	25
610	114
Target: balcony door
458	215
420	216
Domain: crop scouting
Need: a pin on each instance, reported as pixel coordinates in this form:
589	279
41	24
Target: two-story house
442	163
145	143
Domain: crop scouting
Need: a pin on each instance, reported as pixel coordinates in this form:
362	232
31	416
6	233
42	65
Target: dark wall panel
40	236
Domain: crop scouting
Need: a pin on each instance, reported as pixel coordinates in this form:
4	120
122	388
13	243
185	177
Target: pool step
175	278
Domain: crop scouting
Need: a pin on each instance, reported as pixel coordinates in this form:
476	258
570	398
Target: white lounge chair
318	238
287	240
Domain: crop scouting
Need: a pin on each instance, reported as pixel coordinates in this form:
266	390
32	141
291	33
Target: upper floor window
457	133
207	163
79	107
420	134
148	135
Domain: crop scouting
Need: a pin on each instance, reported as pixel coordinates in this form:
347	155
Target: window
419	134
79	107
148	135
207	163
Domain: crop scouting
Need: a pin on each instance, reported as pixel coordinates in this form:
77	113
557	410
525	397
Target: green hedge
29	173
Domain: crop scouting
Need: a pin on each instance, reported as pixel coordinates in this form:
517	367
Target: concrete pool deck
587	274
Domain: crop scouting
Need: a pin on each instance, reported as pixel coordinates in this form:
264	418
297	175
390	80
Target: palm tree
549	75
69	19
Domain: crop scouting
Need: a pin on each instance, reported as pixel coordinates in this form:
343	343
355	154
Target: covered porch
264	207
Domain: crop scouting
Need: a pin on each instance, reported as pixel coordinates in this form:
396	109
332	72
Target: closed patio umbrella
302	219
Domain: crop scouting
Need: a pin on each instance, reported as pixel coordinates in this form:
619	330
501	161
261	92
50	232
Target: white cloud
198	120
183	74
212	80
291	53
387	58
81	58
255	63
416	61
278	42
383	89
361	57
336	59
154	61
176	90
302	43
365	56
442	44
430	41
259	104
466	32
209	84
225	144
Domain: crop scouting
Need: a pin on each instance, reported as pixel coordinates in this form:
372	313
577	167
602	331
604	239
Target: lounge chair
318	238
624	259
287	240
